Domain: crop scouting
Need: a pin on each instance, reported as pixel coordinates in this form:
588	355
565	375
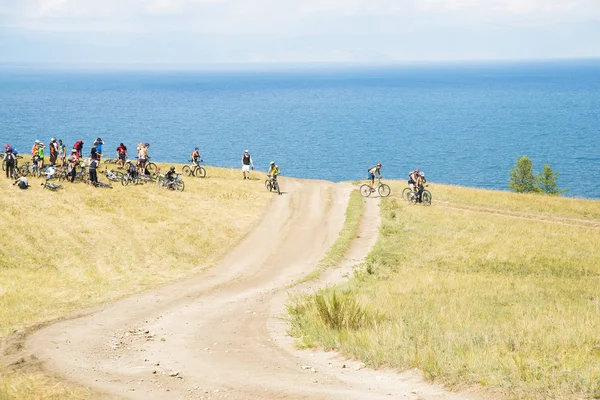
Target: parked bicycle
52	186
194	169
114	176
380	187
151	168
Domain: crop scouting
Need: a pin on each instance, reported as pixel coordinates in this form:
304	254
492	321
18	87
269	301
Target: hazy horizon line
283	65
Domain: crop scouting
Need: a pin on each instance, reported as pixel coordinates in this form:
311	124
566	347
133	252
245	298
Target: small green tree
545	182
521	176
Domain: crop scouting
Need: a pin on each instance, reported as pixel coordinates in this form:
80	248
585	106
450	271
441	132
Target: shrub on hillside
523	180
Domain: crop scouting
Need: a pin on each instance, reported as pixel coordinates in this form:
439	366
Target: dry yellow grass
67	250
494	298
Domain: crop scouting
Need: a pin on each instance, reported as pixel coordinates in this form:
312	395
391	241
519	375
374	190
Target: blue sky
195	32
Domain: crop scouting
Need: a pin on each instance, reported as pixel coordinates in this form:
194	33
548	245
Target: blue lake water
461	124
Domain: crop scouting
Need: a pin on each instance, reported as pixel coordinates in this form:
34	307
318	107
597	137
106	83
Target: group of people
416	180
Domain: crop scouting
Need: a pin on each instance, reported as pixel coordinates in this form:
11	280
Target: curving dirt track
218	335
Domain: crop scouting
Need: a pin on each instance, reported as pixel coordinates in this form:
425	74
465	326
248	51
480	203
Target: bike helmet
146	144
53	139
196	148
73	151
37	141
379	164
99	139
422	174
245	151
272	162
172	168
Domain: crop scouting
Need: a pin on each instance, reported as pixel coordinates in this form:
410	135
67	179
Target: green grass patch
474	298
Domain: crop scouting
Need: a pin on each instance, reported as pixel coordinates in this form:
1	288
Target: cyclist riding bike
420	182
412	179
273	171
170	177
195	156
376	170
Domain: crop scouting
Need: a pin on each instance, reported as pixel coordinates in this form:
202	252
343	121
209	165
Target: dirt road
218	335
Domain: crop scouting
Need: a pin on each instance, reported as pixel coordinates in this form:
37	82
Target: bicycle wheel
24	169
125	180
412	198
406	193
384	190
268	185
151	168
186	170
200	172
62	176
276	187
365	190
179	185
3	165
426	198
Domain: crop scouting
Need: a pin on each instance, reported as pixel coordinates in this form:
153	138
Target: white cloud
279	16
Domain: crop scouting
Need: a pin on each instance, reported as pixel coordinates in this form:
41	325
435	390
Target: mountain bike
52	186
406	193
103	185
129	177
176	184
425	197
272	185
380	187
194	169
111	160
151	168
114	176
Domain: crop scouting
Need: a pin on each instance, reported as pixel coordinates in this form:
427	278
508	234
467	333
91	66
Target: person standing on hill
10	160
53	151
94	152
98	143
92	171
40	159
62	153
79	147
247	164
73	162
122	154
420	182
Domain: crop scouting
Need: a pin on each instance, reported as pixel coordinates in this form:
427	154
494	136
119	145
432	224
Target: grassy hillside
68	250
483	288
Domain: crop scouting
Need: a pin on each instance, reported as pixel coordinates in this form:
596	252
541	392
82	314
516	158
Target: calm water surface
462	125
